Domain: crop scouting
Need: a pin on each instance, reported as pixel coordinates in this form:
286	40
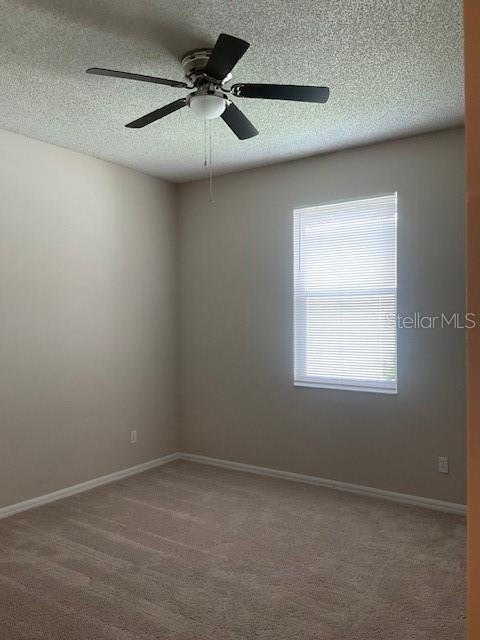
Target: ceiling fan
207	72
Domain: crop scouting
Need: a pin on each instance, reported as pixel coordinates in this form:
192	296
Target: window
345	295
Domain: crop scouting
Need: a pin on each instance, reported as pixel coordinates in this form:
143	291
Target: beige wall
87	322
88	344
237	397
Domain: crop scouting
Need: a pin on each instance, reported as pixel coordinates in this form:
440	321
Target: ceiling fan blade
137	76
299	93
157	114
226	53
238	122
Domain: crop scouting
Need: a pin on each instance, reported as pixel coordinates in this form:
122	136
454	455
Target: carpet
188	551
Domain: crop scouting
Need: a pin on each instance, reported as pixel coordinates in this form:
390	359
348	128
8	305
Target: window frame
326	382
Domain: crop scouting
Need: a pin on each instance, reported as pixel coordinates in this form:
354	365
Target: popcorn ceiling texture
394	67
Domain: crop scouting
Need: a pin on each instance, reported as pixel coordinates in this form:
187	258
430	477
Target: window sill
341	387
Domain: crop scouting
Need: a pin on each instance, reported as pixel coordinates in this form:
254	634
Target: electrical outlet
442	464
133	436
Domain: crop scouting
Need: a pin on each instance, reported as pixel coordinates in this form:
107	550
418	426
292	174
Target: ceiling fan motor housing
194	63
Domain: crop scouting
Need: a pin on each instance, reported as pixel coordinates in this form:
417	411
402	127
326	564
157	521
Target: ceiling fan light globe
208	106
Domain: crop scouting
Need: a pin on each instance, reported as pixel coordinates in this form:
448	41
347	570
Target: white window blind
346	294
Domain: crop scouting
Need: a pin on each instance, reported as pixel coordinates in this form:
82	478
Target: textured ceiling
394	67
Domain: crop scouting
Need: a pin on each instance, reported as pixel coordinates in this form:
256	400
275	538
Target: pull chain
208	156
204	142
210	145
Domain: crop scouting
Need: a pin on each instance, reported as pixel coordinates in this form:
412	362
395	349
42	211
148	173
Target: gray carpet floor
194	552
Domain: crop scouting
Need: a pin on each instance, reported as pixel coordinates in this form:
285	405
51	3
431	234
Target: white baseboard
85	486
401	498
